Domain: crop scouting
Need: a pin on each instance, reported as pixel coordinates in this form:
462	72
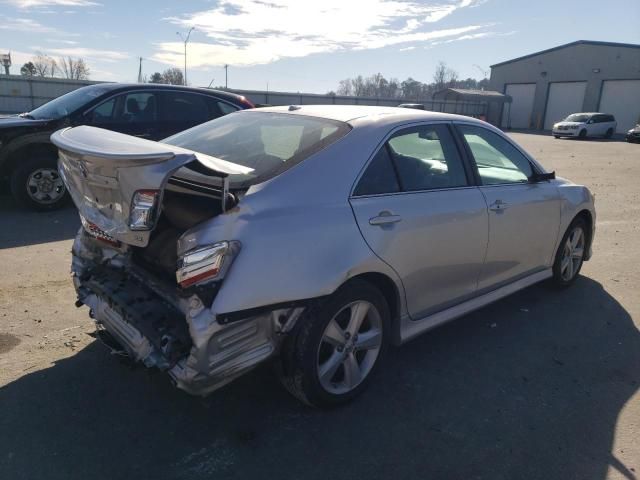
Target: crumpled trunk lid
103	169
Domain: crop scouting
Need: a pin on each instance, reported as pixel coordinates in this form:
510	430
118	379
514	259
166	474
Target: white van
584	125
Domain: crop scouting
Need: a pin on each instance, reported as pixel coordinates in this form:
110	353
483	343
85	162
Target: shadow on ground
530	387
20	227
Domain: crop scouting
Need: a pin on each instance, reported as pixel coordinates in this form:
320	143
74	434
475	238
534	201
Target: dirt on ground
541	385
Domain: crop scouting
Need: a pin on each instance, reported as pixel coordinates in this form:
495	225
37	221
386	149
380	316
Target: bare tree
344	87
444	76
173	76
44	65
75	69
440	76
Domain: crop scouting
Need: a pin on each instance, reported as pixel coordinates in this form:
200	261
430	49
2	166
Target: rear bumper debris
176	334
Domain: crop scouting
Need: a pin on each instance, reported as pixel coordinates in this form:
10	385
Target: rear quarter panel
298	233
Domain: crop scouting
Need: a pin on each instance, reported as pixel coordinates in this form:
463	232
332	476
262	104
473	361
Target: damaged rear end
136	199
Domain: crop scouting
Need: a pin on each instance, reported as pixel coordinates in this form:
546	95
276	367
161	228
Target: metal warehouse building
582	76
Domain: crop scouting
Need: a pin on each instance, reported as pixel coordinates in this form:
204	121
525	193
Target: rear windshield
70	102
270	143
577	117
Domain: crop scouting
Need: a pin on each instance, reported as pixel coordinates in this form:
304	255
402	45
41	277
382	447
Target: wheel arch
18	150
391	293
588	218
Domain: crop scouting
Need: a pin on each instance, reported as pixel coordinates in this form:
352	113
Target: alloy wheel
572	254
349	347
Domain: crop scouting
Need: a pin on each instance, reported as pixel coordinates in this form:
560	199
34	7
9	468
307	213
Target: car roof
112	87
364	114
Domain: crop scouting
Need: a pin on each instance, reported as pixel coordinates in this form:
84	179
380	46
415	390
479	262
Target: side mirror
542	177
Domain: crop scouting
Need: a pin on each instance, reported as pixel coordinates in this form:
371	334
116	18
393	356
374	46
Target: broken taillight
143	209
201	264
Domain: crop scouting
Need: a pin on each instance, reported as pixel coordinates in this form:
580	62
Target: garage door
622	99
521	106
564	99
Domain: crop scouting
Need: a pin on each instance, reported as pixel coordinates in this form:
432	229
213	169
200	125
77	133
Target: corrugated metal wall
475	109
20	94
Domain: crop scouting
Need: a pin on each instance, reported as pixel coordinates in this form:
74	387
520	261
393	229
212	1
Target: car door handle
385	218
498	206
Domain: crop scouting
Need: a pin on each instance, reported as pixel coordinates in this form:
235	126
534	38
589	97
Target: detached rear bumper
176	334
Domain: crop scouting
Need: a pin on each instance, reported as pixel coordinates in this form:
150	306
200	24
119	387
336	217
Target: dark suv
29	160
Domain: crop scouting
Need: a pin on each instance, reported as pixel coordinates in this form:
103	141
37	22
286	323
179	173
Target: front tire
609	133
336	346
570	255
37	185
583	134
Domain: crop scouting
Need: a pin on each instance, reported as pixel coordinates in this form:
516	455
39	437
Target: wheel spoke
358	314
328	369
334	334
352	373
577	252
564	264
569	274
368	340
576	237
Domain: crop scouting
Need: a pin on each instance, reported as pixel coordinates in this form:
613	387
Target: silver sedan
312	235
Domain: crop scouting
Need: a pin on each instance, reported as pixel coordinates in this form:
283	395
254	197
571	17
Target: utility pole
140	71
5	60
185	39
226	70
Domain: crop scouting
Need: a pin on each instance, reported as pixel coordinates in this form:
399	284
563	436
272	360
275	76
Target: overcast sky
301	45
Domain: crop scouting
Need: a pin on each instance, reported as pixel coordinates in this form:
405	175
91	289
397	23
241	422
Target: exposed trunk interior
185	204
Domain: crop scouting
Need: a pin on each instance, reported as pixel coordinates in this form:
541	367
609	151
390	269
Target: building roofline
559	47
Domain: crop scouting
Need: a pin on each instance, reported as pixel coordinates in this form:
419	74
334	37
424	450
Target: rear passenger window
225	108
379	177
426	158
185	107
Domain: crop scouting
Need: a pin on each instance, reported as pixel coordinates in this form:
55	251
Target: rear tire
570	255
37	185
336	346
609	133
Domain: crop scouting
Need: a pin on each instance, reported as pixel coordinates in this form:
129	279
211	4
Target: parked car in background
416	106
633	135
583	125
29	160
313	235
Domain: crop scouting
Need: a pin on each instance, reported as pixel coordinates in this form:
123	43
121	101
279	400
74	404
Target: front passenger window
497	160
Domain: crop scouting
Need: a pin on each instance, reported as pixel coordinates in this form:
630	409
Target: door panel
517	114
523	225
622	99
564	99
418	214
435	241
524	217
